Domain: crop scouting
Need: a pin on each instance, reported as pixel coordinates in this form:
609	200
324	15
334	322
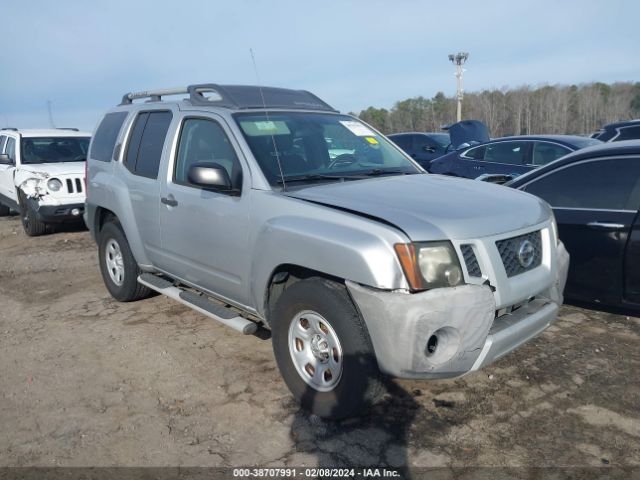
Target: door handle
169	200
605	226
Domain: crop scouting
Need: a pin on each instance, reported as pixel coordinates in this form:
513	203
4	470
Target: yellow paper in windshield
372	140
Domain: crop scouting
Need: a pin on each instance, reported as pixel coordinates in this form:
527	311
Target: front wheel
118	266
31	224
4	210
323	349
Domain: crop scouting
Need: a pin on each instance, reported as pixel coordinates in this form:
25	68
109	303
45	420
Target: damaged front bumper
448	332
60	213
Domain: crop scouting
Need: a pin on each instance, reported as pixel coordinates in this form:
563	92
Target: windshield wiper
379	171
312	177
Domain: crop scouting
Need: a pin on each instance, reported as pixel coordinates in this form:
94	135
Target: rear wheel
4	210
323	349
119	268
31	224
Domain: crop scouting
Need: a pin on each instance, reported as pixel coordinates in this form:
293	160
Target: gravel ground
86	380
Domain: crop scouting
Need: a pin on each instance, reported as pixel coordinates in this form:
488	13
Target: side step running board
199	303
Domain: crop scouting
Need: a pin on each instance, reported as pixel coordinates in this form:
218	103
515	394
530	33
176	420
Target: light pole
458	60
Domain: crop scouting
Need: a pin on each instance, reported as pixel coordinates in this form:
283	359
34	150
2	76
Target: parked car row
508	155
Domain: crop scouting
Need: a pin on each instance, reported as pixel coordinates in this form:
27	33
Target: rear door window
545	152
146	142
106	135
512	153
607	184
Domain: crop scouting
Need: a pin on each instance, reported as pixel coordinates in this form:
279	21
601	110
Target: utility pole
458	60
51	124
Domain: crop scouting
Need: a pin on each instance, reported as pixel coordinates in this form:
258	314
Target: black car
422	147
595	195
616	132
508	155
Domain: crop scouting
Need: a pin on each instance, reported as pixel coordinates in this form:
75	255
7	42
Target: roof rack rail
152	95
237	97
13	129
72	129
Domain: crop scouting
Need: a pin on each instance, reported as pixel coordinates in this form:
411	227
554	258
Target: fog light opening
432	345
75	212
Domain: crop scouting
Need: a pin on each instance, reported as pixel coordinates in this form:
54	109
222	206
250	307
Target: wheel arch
285	275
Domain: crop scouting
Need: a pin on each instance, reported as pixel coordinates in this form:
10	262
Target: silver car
232	202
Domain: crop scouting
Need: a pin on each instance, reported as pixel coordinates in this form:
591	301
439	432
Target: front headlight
54	185
430	264
554	229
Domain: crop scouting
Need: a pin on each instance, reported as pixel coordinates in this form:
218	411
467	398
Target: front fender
361	255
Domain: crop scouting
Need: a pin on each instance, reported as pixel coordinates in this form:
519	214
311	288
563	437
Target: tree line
549	109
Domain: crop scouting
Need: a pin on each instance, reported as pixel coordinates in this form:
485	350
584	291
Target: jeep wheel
31	224
118	267
323	349
4	210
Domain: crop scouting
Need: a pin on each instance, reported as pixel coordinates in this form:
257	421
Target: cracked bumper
462	319
71	212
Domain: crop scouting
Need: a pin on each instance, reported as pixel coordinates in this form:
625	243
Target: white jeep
42	175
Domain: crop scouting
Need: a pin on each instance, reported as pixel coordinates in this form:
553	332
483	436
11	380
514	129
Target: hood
433	207
55	169
468	131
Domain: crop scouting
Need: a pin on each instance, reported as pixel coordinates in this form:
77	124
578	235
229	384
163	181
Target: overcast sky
83	56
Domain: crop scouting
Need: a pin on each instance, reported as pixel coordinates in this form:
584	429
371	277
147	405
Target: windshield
317	146
53	149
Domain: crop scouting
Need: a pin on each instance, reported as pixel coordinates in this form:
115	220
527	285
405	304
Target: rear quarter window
104	140
146	142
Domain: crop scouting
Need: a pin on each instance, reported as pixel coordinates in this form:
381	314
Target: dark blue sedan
595	196
422	147
508	155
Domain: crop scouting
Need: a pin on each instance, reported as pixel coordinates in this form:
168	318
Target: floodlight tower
458	60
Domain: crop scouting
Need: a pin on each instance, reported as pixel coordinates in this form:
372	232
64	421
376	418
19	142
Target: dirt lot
89	381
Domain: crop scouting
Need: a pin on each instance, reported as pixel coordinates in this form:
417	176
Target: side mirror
429	149
5	160
209	175
498	178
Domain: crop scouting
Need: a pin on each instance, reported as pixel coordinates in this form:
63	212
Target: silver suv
265	206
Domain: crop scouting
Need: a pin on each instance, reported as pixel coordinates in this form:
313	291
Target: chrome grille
511	258
74	185
470	260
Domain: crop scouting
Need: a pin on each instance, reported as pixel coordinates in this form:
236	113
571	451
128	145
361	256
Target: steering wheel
344	159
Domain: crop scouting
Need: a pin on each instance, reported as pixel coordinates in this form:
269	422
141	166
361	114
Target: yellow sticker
372	140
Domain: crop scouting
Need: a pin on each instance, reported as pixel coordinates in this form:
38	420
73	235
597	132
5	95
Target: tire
4	210
31	224
119	270
353	382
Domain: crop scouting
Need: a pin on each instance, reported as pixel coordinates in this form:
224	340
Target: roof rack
236	97
13	129
72	129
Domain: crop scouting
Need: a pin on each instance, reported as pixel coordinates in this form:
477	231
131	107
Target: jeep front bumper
70	212
447	332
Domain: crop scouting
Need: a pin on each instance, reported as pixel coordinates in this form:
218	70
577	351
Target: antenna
51	124
264	105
